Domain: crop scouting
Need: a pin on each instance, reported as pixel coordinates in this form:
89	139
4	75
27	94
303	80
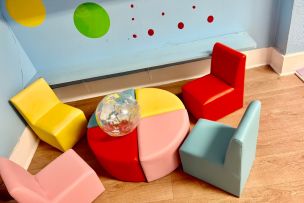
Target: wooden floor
277	174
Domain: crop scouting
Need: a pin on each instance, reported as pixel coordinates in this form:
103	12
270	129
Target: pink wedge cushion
159	138
67	179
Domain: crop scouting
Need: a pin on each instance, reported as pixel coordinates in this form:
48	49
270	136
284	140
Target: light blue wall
284	21
56	45
15	71
290	32
296	32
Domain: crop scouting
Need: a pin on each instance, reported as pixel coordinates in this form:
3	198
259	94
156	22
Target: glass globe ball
117	114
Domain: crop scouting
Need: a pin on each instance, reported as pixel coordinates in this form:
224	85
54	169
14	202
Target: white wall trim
292	62
85	90
258	57
25	149
286	64
276	60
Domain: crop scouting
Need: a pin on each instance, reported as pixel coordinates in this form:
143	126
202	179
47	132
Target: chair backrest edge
242	147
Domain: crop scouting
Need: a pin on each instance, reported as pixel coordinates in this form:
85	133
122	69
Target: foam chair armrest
242	148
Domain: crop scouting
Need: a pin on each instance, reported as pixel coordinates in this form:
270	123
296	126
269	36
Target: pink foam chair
67	179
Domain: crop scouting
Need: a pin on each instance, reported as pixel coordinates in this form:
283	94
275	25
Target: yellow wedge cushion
153	101
58	124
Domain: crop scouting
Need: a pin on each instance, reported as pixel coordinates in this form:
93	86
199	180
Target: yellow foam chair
57	124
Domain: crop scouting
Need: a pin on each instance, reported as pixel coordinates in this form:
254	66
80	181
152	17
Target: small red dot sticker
210	19
180	25
163	13
134	36
150	32
132	5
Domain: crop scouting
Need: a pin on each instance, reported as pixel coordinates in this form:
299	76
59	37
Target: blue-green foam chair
222	155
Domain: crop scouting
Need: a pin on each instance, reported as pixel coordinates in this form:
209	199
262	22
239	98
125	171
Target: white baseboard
286	64
258	57
85	90
25	148
276	60
292	62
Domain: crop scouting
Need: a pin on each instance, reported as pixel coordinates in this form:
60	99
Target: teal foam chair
222	155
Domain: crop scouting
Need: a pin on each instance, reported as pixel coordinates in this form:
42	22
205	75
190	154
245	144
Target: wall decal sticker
150	32
210	19
91	20
30	13
180	25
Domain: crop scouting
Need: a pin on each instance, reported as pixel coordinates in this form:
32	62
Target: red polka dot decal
210	19
180	25
150	32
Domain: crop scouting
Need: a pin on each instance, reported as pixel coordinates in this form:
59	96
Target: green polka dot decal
91	20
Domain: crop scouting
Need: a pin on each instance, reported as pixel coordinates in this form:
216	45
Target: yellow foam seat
153	101
57	124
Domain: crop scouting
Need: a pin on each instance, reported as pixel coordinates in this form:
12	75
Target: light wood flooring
278	171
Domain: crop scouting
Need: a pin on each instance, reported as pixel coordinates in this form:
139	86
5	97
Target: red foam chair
222	91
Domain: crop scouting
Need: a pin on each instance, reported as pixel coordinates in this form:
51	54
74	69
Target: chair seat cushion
208	140
58	118
61	127
69	179
210	98
207	89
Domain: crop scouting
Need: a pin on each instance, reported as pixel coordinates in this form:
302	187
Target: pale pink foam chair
67	179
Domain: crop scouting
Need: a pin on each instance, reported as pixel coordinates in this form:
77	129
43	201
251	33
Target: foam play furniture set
54	122
222	155
222	91
213	152
66	179
150	151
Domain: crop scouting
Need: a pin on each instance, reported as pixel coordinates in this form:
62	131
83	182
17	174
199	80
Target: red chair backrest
228	65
